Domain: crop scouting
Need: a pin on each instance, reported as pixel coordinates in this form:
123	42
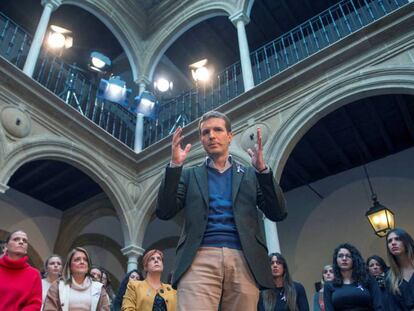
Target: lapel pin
240	169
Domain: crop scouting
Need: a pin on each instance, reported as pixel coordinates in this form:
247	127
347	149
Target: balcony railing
319	32
67	82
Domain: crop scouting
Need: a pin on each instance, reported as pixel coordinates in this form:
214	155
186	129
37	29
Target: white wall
315	226
108	226
157	230
40	221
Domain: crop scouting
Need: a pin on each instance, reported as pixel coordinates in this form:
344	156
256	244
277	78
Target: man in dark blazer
221	257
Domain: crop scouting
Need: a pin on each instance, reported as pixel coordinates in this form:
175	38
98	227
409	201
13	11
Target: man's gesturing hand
257	153
178	154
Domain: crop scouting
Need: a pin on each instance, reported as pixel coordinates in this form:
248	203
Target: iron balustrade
67	82
319	32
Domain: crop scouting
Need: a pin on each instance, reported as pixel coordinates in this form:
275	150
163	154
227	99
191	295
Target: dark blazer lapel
200	173
237	175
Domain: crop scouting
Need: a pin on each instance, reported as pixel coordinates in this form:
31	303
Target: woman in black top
288	295
400	279
377	268
352	288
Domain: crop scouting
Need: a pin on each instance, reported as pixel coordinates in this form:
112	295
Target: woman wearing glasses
352	288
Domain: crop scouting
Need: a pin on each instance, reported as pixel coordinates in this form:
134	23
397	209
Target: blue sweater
221	229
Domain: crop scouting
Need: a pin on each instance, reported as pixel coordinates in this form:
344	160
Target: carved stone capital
239	16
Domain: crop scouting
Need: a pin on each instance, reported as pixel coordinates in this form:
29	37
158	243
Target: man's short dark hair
214	114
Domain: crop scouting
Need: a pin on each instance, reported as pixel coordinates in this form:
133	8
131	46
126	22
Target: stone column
133	252
240	20
3	188
139	126
272	237
34	51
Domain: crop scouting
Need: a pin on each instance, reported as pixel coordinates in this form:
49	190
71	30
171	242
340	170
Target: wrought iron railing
67	82
319	32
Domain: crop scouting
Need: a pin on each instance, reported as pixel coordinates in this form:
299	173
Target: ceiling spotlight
163	85
59	38
199	71
99	62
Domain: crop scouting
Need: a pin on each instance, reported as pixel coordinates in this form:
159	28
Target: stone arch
101	241
53	148
246	6
127	37
78	219
341	91
190	17
147	212
34	258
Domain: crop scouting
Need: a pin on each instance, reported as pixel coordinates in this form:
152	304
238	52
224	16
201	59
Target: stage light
114	90
59	38
99	62
200	72
163	85
147	105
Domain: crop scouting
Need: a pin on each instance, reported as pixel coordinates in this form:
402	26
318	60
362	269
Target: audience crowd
348	282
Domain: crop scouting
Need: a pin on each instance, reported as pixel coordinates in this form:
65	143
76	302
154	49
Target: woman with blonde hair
400	279
77	291
150	294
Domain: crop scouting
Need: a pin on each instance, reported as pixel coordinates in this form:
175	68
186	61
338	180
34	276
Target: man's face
215	137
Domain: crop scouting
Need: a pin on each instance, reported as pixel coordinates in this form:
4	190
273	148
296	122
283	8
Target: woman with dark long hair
377	268
20	285
352	288
133	275
287	295
400	279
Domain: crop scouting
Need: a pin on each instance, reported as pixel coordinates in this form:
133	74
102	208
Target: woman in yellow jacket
150	294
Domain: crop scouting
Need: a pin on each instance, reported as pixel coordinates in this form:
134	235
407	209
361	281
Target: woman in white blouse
77	290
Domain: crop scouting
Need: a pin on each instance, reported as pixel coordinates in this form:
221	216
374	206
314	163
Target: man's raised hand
256	154
178	154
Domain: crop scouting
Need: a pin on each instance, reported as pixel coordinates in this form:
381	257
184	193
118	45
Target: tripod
181	120
68	94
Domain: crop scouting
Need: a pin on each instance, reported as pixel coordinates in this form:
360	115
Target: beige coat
57	298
